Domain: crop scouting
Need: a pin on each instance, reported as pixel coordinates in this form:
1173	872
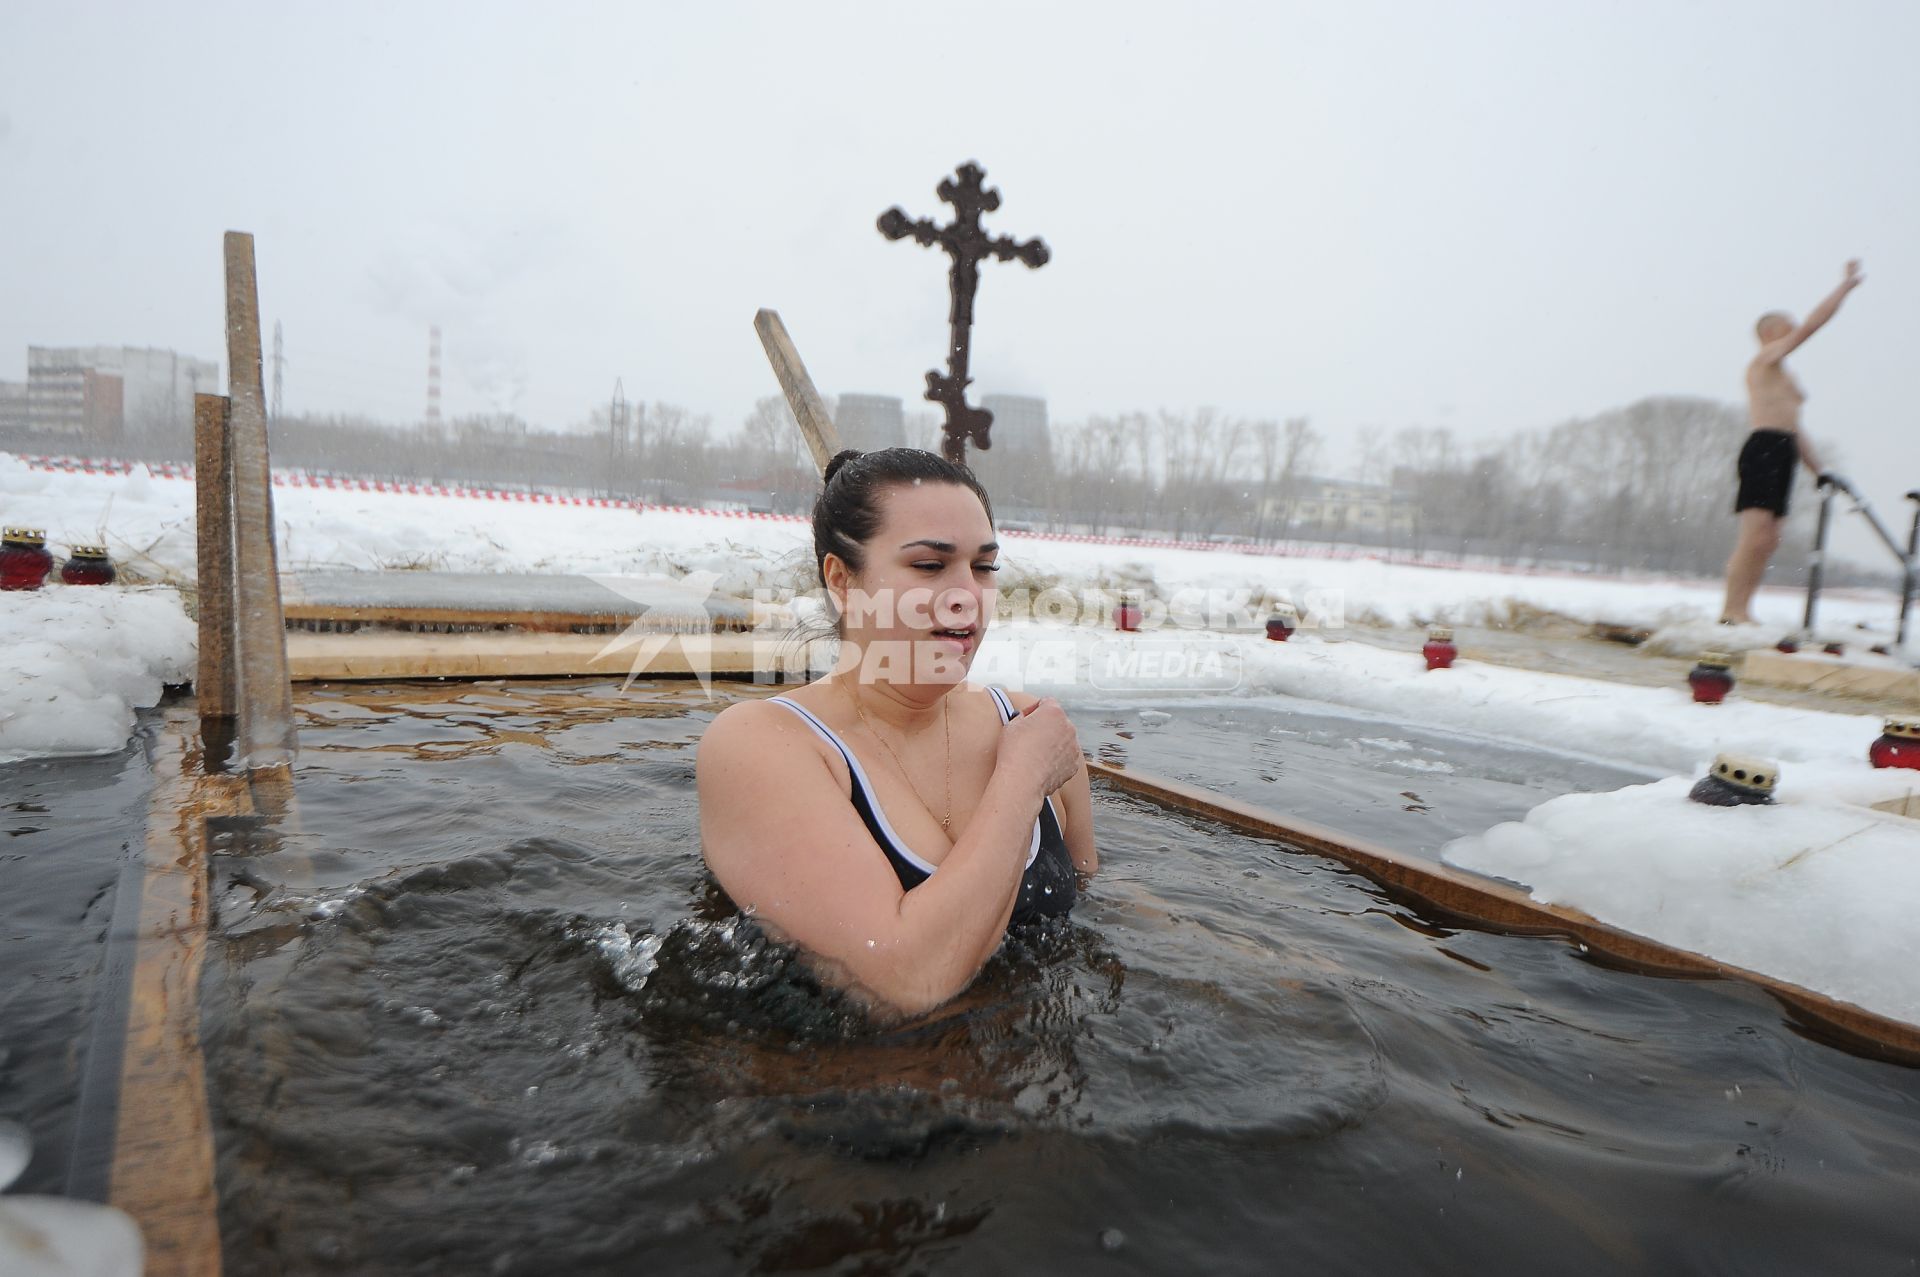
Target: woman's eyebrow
948	547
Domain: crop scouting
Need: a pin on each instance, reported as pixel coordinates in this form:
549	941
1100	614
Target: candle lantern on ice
1439	649
24	561
88	565
1898	746
1712	678
1126	613
1737	780
1282	622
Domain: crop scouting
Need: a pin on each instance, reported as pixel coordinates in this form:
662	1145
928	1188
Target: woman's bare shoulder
753	721
756	747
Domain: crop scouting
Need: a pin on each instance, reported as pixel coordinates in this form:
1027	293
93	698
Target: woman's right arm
786	845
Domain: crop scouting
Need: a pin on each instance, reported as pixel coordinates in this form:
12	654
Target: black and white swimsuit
1047	886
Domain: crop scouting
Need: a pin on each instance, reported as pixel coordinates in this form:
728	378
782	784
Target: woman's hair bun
840	459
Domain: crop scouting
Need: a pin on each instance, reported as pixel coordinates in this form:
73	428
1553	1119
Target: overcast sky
1485	216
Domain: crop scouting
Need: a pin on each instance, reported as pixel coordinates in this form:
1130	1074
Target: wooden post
213	684
808	408
266	736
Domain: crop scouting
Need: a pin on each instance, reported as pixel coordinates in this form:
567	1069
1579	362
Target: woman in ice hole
890	819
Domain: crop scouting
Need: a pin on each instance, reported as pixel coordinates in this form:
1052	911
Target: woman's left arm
1076	809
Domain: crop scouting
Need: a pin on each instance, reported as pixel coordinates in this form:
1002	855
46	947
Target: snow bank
76	660
1687	639
1653	727
1818	889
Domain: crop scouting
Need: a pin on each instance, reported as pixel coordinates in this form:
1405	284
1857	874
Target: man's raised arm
1817	317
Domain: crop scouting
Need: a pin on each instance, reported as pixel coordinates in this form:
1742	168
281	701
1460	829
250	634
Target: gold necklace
946	723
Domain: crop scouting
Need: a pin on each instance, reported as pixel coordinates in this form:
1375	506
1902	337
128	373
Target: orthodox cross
966	243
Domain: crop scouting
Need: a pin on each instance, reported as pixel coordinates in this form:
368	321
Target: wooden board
163	1158
1908	804
1505	908
213	549
809	410
1879	679
382	656
265	710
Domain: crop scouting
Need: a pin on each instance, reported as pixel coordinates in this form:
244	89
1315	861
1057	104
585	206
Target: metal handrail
1832	485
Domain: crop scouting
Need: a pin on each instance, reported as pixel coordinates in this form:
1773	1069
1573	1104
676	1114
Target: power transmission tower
617	442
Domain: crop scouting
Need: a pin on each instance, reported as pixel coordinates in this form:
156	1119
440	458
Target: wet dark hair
847	512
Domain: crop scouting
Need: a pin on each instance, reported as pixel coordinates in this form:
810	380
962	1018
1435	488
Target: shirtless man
1766	462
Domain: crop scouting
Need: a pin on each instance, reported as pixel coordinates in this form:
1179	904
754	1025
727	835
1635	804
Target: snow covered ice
1818	889
76	660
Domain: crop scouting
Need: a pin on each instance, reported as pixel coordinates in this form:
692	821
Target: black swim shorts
1766	471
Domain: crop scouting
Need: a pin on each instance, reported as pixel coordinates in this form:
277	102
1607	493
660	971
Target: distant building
1017	471
870	422
112	392
1335	506
13	405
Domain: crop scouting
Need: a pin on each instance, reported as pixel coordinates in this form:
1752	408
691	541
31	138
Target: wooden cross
966	243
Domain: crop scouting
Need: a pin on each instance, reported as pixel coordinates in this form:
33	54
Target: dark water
479	1012
68	828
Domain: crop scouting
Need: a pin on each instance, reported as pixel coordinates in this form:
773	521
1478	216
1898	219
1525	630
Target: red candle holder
1736	780
1789	645
88	565
1281	623
1439	649
24	561
1835	649
1712	678
1126	614
1898	746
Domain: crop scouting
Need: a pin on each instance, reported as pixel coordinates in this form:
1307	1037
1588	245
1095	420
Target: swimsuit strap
1007	715
868	796
885	831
